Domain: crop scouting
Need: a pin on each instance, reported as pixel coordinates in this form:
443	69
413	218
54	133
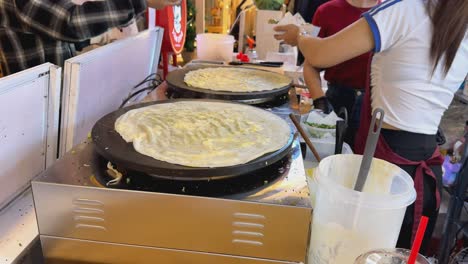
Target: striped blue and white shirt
36	31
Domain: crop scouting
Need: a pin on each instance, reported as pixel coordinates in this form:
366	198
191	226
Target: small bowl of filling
321	125
321	130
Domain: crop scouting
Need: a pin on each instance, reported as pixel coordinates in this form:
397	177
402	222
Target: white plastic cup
217	47
347	223
389	256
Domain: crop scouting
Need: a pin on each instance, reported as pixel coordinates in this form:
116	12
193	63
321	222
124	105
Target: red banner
174	21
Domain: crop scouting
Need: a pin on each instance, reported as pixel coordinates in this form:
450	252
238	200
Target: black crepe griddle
109	144
176	83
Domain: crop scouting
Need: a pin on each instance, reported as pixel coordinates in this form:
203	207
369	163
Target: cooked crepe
235	79
203	134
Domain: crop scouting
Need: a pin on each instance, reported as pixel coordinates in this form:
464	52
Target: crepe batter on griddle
235	79
203	134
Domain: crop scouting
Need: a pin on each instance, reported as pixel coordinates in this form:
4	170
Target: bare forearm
313	81
314	51
351	42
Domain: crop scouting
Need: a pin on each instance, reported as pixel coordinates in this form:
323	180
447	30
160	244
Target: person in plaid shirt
33	32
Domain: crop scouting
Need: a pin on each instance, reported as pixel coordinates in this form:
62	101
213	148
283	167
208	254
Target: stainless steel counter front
78	217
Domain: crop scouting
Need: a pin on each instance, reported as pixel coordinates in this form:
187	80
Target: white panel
151	18
55	90
25	117
265	33
95	83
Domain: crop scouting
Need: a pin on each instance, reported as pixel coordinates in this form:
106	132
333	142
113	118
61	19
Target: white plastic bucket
347	223
216	47
325	148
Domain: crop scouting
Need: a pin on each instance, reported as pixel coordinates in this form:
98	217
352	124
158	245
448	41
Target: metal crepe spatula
371	144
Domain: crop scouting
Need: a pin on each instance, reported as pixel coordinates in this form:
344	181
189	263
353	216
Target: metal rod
305	137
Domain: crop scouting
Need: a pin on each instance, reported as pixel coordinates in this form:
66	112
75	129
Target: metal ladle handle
371	144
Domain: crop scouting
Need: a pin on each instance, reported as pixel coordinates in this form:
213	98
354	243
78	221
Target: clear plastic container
389	256
218	47
347	223
320	133
316	132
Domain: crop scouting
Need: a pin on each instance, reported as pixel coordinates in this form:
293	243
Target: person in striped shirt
39	31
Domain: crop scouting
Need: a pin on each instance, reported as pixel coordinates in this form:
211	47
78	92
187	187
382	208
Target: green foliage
191	30
269	4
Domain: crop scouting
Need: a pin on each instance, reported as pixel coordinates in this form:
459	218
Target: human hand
288	34
323	104
160	4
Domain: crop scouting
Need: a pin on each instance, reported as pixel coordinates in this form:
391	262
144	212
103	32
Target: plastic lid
381	256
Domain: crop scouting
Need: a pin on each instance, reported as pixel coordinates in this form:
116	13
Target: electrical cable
155	82
157	78
149	88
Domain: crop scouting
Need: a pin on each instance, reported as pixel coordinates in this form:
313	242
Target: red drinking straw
418	240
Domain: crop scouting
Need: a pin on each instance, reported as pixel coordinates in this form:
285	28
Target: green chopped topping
324	126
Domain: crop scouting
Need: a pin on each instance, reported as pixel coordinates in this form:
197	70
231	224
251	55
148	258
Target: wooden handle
305	137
